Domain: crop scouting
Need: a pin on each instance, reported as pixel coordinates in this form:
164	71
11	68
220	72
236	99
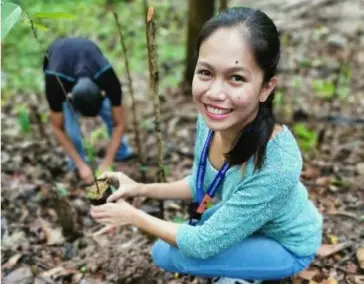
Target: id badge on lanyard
203	199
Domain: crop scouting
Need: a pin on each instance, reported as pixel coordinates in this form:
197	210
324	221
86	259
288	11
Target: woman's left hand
119	214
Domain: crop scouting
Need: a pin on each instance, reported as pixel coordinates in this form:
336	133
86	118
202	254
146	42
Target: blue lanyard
201	173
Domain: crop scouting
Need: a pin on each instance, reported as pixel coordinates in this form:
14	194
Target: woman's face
228	85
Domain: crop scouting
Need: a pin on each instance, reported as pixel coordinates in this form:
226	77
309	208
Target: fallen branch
345	214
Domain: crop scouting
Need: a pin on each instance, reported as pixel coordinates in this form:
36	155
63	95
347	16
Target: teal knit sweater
272	202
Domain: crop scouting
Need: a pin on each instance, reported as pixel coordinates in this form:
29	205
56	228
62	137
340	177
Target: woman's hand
85	173
117	214
127	186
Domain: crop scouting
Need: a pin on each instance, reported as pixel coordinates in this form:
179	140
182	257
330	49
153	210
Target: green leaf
278	98
83	269
37	25
44	117
10	14
340	182
143	169
61	189
90	151
324	89
305	63
166	170
113	188
54	15
178	220
306	138
23	118
40	26
98	134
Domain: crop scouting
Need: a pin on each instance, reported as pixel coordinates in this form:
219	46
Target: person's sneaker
225	280
125	153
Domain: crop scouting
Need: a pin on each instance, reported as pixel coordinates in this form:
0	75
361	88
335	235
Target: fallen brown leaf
327	250
310	173
323	181
21	275
360	257
360	168
57	272
54	236
359	279
308	274
12	261
352	268
330	281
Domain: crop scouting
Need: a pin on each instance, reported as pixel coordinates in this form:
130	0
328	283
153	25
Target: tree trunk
223	5
199	12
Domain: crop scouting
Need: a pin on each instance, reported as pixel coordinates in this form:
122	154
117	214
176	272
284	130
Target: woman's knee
161	254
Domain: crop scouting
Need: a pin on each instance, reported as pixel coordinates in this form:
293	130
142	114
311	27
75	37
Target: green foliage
339	182
23	118
343	89
98	134
147	124
305	62
178	220
10	15
320	33
323	88
307	138
23	56
166	170
278	99
326	89
143	169
53	15
61	190
83	269
90	151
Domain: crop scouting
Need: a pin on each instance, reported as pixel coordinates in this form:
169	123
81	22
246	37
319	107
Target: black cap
86	97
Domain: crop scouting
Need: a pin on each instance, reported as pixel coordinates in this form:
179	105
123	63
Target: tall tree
199	12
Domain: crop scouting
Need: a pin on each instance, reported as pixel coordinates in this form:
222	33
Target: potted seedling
99	191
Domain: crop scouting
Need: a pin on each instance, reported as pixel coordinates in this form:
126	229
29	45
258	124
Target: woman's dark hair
265	46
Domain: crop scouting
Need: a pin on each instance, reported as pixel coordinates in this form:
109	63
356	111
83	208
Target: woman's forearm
172	190
161	229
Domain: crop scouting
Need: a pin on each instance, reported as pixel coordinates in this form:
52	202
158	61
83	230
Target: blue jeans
255	258
74	133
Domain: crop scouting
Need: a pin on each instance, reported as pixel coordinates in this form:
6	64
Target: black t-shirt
72	58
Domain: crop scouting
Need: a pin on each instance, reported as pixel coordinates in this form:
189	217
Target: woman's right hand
127	186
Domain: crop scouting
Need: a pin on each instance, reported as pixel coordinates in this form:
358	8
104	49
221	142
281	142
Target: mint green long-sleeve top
271	201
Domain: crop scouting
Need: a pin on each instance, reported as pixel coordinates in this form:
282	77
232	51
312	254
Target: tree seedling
98	193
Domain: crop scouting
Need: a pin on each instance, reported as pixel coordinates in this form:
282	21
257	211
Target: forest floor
320	43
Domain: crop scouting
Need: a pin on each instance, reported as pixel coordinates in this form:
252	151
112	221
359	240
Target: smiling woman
263	227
